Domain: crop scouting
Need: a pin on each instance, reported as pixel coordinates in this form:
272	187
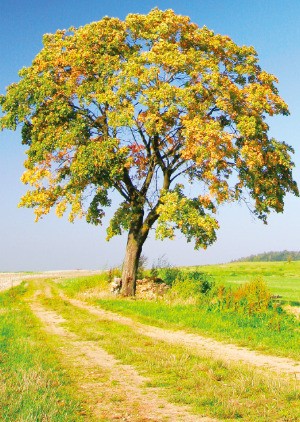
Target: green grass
283	278
270	334
211	387
79	285
34	385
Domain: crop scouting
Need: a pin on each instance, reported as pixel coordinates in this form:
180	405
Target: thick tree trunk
130	265
138	233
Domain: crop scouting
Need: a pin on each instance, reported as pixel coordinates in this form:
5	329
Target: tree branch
158	156
122	192
148	178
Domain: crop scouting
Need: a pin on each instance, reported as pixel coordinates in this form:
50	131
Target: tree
169	115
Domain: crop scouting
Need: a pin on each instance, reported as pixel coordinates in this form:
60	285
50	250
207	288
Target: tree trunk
130	265
138	233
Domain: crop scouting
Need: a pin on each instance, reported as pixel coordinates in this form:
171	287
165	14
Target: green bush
190	285
169	274
203	282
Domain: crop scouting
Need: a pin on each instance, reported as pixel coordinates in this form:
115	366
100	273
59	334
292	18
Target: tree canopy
169	115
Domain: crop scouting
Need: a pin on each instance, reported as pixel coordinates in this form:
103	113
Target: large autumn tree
169	115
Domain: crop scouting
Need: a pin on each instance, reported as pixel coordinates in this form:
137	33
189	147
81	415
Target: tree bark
138	233
130	265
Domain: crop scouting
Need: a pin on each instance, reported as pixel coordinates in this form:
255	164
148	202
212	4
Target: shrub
253	297
203	281
191	285
163	270
169	275
249	298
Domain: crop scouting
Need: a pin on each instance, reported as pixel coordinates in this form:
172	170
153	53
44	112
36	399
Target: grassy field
34	385
48	376
41	382
277	335
283	278
270	332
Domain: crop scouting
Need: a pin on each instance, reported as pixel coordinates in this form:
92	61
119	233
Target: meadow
64	357
282	278
270	330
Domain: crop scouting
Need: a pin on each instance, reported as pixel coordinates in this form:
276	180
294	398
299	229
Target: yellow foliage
136	106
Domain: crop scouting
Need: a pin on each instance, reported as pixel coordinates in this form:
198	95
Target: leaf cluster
136	106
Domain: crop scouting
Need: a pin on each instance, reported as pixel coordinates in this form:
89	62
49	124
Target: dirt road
117	391
220	350
136	403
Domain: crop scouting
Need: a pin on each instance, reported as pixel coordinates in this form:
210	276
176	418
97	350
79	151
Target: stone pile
147	288
115	285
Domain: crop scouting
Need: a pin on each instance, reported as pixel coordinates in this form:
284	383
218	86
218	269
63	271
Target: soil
225	351
220	350
118	392
123	396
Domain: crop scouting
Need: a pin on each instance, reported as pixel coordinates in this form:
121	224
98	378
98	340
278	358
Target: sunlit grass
211	387
283	278
85	284
270	332
267	333
34	385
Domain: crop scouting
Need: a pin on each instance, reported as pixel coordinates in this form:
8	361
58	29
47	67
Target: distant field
8	280
283	278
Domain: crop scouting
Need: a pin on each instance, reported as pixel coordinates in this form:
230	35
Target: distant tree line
271	256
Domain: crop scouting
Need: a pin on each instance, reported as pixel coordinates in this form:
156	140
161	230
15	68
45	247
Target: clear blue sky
271	26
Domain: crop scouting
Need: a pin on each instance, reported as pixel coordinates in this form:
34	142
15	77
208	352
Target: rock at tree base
150	289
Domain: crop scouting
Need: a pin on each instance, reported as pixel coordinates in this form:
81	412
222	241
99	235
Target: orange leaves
136	149
142	117
138	158
156	25
206	142
134	105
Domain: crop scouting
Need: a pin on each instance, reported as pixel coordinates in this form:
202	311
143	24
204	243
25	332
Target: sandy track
219	350
136	402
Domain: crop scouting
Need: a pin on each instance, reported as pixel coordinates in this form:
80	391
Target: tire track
219	350
124	396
